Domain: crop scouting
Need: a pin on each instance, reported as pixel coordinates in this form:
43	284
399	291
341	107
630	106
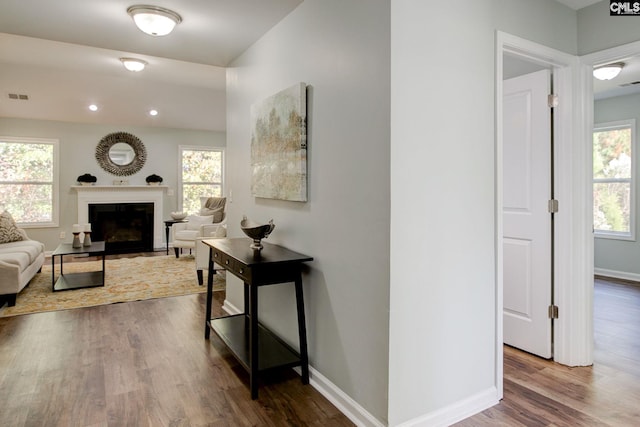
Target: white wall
77	156
442	360
619	257
341	50
597	30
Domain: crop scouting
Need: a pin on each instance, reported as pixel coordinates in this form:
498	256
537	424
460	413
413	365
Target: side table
167	225
69	281
253	345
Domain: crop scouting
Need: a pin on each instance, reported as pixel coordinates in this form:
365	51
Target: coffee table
69	281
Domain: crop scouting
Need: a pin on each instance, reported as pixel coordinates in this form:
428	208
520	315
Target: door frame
573	231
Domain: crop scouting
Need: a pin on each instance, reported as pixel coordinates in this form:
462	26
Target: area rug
126	279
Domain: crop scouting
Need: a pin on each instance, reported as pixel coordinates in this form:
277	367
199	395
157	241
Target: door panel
527	222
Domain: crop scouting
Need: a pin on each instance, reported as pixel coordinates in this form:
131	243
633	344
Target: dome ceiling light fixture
133	64
608	71
154	20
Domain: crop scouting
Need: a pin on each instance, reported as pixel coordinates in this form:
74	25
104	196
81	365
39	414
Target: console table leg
253	344
302	332
207	330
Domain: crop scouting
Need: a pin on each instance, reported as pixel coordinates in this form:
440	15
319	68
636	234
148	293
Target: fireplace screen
124	227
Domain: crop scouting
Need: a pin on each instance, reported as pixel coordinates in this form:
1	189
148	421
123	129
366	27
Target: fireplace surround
123	194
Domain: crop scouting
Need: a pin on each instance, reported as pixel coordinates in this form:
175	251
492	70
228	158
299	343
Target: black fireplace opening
124	227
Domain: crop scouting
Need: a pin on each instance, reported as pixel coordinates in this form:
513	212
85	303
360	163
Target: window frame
55	183
617	235
181	149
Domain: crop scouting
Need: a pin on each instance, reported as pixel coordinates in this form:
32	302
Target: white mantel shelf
118	187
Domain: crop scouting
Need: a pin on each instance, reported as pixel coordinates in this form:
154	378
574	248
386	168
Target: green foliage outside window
201	176
26	181
612	180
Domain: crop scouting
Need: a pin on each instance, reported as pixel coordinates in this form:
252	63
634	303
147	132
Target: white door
527	238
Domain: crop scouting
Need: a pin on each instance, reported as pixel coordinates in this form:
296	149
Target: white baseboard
617	274
349	407
230	308
457	411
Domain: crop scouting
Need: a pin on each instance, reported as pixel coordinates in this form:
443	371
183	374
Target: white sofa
19	262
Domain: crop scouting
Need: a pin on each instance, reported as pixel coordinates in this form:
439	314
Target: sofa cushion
21	252
9	231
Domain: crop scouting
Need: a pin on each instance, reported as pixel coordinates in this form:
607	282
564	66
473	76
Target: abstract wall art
279	145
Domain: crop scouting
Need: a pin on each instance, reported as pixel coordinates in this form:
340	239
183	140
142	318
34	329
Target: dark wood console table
257	348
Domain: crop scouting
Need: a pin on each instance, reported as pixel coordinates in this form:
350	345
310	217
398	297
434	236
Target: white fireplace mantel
97	194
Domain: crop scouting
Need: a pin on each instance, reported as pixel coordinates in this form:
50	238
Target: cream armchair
202	252
184	234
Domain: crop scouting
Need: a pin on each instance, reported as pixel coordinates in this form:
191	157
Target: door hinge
553	311
553	206
552	100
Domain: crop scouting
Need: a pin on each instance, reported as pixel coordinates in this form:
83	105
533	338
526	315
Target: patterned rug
126	279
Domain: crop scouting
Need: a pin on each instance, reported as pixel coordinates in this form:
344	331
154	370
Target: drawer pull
226	262
241	270
215	255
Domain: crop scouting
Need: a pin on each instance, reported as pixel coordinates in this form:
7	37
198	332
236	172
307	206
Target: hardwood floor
146	363
538	392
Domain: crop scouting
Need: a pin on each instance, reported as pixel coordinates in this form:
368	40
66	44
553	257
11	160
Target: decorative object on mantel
86	179
256	231
87	235
121	153
153	179
279	145
76	229
178	216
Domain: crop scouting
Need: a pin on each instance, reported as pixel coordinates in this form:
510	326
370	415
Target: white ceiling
577	4
64	55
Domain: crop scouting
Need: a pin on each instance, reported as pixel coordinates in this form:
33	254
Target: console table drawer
232	265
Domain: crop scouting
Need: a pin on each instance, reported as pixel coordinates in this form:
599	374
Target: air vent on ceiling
19	96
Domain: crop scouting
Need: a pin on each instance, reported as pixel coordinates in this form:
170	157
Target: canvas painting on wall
279	145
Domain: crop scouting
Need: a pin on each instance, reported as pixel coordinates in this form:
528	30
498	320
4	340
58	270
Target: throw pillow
9	231
195	221
218	214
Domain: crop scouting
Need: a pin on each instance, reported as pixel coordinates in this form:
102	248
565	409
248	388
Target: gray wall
598	31
341	51
442	279
620	256
77	156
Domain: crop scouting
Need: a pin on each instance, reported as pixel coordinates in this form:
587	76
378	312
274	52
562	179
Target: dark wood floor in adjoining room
538	392
144	363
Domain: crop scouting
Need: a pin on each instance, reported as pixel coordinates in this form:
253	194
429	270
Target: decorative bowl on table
256	231
178	215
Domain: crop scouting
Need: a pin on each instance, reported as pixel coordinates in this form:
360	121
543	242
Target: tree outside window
29	180
202	171
613	209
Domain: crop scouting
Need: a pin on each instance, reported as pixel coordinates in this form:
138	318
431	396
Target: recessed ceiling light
133	64
93	107
154	20
153	112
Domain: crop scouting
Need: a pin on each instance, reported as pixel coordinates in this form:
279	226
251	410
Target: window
201	174
29	180
613	180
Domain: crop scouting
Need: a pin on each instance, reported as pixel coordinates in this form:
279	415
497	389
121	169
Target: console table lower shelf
273	352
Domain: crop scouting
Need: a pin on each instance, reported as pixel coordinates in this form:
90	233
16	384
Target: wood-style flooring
143	363
538	392
146	363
